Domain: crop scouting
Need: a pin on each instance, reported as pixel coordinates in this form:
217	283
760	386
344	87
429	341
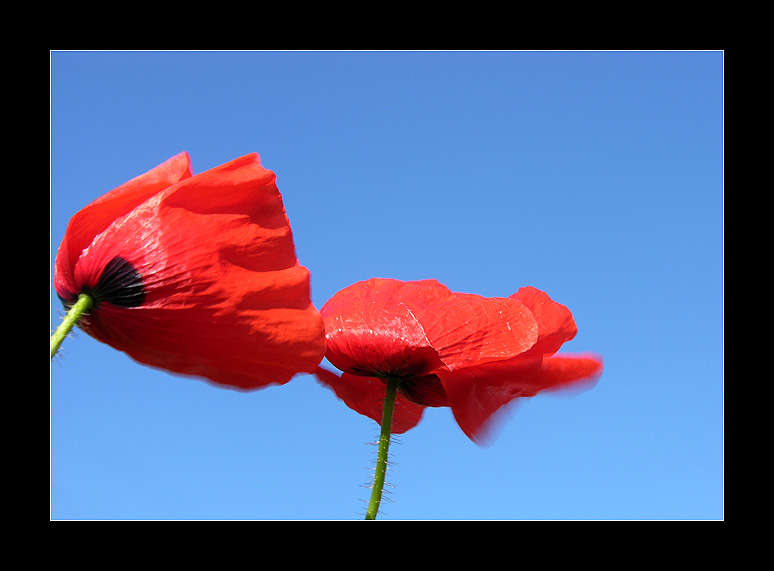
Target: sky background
594	176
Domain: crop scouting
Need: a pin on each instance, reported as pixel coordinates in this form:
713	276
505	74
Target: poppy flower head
195	274
470	353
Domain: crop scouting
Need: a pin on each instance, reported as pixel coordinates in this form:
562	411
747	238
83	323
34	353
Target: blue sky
594	176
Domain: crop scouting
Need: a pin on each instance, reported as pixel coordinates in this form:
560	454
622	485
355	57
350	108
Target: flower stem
84	304
384	446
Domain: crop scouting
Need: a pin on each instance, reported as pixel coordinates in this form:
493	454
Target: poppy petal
468	329
371	328
579	371
556	325
476	393
365	395
223	295
427	390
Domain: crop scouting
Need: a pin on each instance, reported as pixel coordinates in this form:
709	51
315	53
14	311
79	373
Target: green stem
384	446
84	304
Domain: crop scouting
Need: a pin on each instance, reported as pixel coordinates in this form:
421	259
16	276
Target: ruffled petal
476	393
427	390
555	323
576	371
469	329
365	395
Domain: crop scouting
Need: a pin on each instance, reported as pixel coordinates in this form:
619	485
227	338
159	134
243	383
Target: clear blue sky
594	176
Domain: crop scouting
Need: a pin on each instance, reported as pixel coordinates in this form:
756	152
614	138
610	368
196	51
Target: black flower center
119	284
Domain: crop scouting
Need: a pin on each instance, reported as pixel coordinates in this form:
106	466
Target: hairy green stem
384	447
84	304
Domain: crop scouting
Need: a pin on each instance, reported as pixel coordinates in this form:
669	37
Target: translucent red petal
468	329
555	323
365	395
476	393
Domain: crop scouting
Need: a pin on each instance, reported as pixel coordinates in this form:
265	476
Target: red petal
427	390
225	296
365	395
556	325
468	329
371	328
579	371
476	393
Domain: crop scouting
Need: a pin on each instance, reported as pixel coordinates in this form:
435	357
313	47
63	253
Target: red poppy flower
195	274
470	353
